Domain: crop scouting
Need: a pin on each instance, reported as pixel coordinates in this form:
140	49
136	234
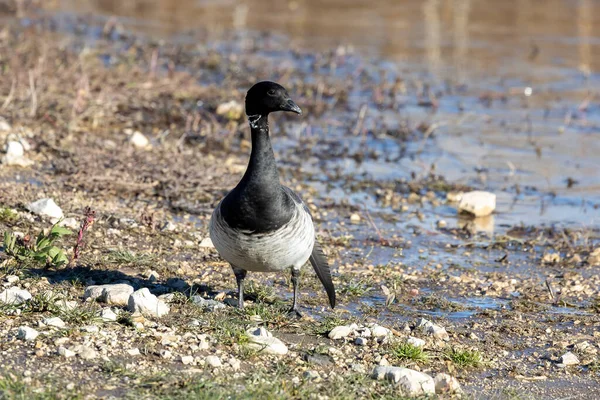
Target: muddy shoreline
519	296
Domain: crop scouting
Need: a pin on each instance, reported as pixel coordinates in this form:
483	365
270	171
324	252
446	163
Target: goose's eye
271	93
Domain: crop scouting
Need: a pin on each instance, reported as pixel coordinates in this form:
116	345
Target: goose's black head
267	97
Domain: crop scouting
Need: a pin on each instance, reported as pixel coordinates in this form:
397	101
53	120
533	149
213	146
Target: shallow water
519	105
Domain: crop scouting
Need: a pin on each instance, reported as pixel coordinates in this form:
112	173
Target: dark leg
240	274
295	278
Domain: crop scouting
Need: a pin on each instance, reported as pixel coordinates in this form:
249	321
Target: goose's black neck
258	203
262	168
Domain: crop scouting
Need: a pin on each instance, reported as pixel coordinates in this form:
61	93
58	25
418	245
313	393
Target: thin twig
9	98
34	101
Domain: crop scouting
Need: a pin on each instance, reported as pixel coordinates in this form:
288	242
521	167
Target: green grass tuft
465	358
406	351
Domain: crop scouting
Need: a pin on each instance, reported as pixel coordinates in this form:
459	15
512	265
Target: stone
477	203
146	303
379	331
4	125
187	360
26	333
152	275
90	329
213	361
231	110
265	342
206	243
66	353
594	258
569	359
340	332
360	341
115	294
55	322
70	223
446	384
310	375
432	329
85	352
355	218
323	360
415	341
108	315
210	304
133	352
11	279
67	305
14	295
551	258
15	155
410	382
139	140
45	207
169	226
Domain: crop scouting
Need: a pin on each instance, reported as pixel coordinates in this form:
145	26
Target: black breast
259	208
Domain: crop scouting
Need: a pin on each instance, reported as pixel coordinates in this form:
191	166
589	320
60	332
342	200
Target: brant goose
262	225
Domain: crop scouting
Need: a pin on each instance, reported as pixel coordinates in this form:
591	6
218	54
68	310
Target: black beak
291	106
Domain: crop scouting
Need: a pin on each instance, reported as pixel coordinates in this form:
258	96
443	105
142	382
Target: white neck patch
253	120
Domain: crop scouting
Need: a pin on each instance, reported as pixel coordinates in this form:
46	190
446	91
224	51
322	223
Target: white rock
569	359
210	304
594	257
187	360
206	243
261	332
340	332
14	295
45	207
235	364
433	329
166	354
26	333
411	382
93	292
379	331
213	361
15	155
310	375
144	302
446	384
152	275
360	341
478	203
12	279
231	109
265	342
108	315
133	352
115	294
90	329
55	322
70	223
139	140
415	341
4	125
85	352
66	353
169	226
67	305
